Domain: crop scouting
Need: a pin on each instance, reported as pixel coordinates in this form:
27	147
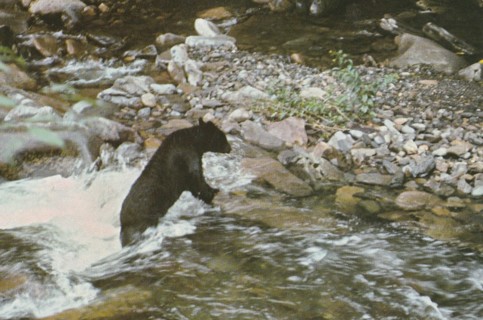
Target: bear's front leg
207	193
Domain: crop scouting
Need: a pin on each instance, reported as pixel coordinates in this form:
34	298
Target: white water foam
75	223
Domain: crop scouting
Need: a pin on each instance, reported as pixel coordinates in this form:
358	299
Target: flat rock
254	133
274	173
163	88
416	200
374	179
290	130
220	41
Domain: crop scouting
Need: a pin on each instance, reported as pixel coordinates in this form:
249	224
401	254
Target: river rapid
254	255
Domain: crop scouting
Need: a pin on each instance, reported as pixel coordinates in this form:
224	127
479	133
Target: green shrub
352	99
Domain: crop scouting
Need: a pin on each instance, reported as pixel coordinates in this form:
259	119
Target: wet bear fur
175	167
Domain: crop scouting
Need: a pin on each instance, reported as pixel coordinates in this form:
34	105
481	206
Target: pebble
148	100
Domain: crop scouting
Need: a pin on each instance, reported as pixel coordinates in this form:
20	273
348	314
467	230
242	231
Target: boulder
70	10
414	50
254	133
206	28
270	171
290	130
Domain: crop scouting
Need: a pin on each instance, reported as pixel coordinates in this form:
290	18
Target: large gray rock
274	173
415	50
70	9
254	133
290	130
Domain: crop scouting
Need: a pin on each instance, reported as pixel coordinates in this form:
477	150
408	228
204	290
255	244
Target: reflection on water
61	258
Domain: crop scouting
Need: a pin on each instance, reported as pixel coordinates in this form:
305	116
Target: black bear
175	167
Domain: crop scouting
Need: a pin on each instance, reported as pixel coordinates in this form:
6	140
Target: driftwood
439	34
442	36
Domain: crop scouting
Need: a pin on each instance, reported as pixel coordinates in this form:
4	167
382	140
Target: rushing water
254	256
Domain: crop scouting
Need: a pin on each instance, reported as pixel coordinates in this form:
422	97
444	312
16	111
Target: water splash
70	228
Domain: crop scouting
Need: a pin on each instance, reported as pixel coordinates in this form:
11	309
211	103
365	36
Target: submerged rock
416	200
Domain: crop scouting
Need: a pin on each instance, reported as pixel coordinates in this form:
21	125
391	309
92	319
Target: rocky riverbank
418	157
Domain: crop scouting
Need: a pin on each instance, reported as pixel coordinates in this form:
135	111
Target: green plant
7	55
359	96
352	98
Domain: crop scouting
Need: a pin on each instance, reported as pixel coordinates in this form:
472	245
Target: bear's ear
201	122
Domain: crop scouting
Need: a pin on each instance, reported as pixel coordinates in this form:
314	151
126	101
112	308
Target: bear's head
212	138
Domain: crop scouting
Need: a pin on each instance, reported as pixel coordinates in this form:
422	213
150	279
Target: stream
241	259
255	254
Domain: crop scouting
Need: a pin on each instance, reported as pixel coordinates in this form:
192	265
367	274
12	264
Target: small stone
407	130
341	141
422	166
400	121
464	187
144	113
356	134
441	152
148	100
458	148
374	179
239	115
103	8
419	126
163	89
410	147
